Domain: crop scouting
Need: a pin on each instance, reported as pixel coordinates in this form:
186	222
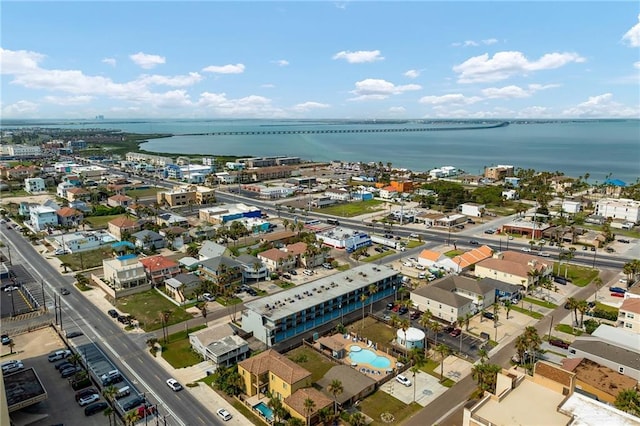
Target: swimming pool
265	410
367	356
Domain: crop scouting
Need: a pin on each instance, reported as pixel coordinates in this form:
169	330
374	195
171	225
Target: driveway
425	385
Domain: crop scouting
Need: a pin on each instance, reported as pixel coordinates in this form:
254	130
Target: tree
309	405
357	419
507	307
107	413
110	392
404	325
628	400
363	298
436	327
276	406
65	266
373	289
11	346
294	421
582	307
335	388
444	351
203	311
131	417
572	304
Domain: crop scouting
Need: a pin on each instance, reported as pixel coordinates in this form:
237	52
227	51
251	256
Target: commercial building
621	209
183	196
292	312
344	238
228	213
156	160
21	150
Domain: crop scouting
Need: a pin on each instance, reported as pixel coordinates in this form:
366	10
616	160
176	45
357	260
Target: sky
325	59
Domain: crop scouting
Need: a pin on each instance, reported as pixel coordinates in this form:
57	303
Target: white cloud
68	100
445	112
146	61
376	89
308	106
397	110
175	81
412	73
482	69
109	61
636	65
473	43
20	108
225	69
359	57
534	112
632	37
250	106
452	98
19	61
601	106
268	86
512	92
281	62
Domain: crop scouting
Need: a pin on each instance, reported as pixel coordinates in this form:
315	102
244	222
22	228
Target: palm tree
482	353
357	419
131	417
582	307
75	358
294	421
467	320
373	289
11	346
325	415
436	327
110	392
572	304
107	413
404	325
507	307
628	400
203	311
335	388
363	298
309	405
598	283
444	351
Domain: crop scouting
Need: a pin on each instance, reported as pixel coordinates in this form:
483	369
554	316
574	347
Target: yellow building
272	372
187	195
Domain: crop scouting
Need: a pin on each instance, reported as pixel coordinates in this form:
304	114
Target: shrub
590	325
609	315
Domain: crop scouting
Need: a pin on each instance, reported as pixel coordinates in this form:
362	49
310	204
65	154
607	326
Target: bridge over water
329	131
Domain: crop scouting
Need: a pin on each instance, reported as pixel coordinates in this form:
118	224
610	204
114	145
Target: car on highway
174	385
64	291
526	249
72	334
403	380
474	242
489	231
559	343
223	414
88	399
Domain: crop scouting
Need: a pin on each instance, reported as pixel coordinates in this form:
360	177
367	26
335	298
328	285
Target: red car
415	315
559	343
455	332
396	308
617	294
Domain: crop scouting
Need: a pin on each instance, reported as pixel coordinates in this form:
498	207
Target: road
129	354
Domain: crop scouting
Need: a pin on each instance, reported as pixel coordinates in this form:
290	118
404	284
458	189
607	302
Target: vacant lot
177	351
88	259
148	307
381	402
101	221
353	209
579	275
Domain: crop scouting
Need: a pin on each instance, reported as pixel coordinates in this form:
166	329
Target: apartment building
124	272
629	314
273	373
623	209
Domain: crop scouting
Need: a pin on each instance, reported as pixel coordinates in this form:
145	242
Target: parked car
85	392
403	380
113	313
58	355
403	310
489	231
72	334
88	399
474	242
64	291
488	315
132	403
395	308
448	329
11	366
111	377
208	297
61	365
456	332
560	280
414	315
223	414
327	265
293	272
624	241
124	319
69	371
286	276
617	294
559	343
617	290
390	305
174	385
5	339
609	250
378	249
94	408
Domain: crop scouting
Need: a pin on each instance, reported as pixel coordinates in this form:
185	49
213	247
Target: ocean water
598	147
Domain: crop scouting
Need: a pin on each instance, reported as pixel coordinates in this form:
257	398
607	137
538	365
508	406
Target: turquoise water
597	147
366	356
265	410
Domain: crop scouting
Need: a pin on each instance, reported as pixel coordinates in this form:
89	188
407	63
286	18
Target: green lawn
6	195
607	308
414	243
376	331
177	351
532	314
353	209
453	253
540	303
101	221
284	284
566	328
377	256
147	307
311	360
381	402
88	259
143	193
579	275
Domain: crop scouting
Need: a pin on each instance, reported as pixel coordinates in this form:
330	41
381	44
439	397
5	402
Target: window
621	370
628	325
629	315
284	385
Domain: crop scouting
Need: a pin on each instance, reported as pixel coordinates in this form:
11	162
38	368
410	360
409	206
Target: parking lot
60	406
426	388
20	293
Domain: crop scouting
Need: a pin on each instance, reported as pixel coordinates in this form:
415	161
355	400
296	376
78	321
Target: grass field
353	209
579	275
376	331
101	221
376	256
540	303
147	307
381	402
177	351
143	193
566	328
312	361
88	259
532	314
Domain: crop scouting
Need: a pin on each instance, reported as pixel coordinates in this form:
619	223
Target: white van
122	392
308	272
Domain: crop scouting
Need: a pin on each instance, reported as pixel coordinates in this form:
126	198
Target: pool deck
377	374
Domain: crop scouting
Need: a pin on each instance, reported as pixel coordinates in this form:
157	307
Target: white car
208	297
12	366
86	400
174	385
526	249
224	414
403	380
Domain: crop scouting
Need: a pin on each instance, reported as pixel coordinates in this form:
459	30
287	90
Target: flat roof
515	408
23	388
589	412
321	290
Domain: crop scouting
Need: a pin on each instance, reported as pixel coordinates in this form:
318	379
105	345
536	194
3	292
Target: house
612	347
309	256
124	272
355	385
159	268
338	194
454	296
18	172
510	194
119	200
219	345
514	268
253	269
202	232
277	260
472	209
273	373
629	314
177	236
222	270
433	259
170	219
296	404
469	259
287	314
388	192
571	207
552	391
123	226
42	218
597	381
148	240
69	217
74	194
62	188
211	250
278	237
34	185
181	287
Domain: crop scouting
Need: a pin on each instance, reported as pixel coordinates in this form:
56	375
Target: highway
128	353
